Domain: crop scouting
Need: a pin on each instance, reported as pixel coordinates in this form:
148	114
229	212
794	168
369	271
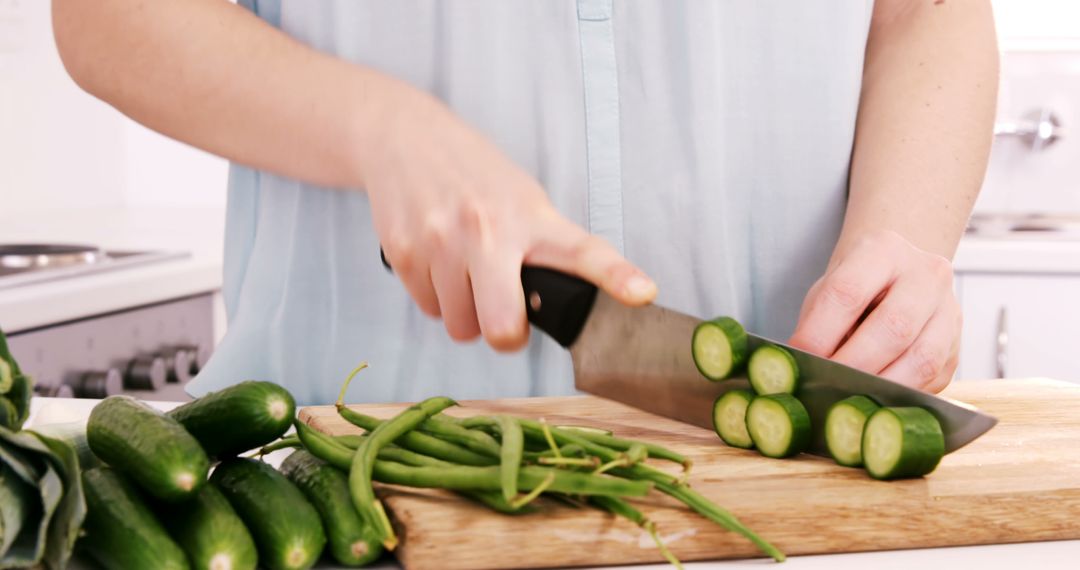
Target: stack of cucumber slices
890	442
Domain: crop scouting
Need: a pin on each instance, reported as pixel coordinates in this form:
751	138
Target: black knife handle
555	302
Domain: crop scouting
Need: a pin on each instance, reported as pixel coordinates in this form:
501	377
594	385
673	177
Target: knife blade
641	356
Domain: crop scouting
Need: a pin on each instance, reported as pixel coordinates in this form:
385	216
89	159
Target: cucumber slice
844	429
772	370
778	424
729	418
719	347
902	442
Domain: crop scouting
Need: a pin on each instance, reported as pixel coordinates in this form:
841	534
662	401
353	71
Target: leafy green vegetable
26	457
42	500
16	388
69	515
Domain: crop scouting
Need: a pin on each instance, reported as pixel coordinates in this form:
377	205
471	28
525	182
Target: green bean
717	514
491	499
331	450
421	442
619	507
487	479
510	459
446	428
363	464
350	440
323	446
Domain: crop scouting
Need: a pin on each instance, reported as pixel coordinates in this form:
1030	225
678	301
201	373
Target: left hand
886	307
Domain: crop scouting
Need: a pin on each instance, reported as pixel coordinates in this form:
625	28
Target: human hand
457	219
888	308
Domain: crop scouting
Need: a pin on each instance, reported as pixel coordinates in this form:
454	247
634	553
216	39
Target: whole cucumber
239	418
327	487
120	531
153	449
287	529
210	532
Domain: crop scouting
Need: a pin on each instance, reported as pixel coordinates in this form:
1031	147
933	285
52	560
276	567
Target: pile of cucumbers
890	442
152	502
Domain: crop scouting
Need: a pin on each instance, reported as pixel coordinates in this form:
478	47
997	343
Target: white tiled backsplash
1023	180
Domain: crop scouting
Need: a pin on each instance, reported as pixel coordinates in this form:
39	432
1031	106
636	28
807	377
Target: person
807	168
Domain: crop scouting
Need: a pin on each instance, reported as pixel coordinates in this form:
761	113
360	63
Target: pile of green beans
504	463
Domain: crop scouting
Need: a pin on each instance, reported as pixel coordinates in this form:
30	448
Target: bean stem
528	498
719	515
550	439
569	461
623	509
283	443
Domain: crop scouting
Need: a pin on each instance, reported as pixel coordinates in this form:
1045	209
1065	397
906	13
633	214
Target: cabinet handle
1001	351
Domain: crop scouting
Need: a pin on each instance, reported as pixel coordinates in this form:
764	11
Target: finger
891	326
451	281
564	246
927	358
415	275
500	300
946	376
839	301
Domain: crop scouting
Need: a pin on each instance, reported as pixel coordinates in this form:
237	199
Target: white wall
60	147
57	145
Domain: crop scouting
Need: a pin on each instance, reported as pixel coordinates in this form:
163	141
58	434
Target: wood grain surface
1020	482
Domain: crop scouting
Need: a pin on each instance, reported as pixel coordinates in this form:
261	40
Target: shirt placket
601	90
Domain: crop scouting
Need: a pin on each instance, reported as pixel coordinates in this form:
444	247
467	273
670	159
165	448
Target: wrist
382	105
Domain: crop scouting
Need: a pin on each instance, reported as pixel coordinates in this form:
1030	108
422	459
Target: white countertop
1031	555
197	231
1017	255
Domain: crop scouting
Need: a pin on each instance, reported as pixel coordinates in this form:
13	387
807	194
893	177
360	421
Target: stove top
28	263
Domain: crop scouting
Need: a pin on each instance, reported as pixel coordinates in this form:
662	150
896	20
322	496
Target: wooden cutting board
1020	482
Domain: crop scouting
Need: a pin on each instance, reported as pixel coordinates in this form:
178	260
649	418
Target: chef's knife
641	356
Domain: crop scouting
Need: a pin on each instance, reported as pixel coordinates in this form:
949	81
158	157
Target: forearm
213	75
925	122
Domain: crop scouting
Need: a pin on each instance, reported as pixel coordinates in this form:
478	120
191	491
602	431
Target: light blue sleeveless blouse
710	141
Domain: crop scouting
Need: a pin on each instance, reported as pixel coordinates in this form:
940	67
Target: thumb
566	247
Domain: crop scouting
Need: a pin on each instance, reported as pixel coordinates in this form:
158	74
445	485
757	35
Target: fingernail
639	287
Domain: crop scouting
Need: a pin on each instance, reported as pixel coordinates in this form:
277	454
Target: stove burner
31	263
30	256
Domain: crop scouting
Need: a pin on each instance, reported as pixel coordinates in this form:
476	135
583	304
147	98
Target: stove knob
195	355
145	373
99	384
61	391
177	364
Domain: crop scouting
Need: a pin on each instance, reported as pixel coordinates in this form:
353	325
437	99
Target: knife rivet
534	301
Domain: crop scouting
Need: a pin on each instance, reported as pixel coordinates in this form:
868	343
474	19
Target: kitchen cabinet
1020	325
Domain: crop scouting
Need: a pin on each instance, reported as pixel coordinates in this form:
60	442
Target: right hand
457	219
